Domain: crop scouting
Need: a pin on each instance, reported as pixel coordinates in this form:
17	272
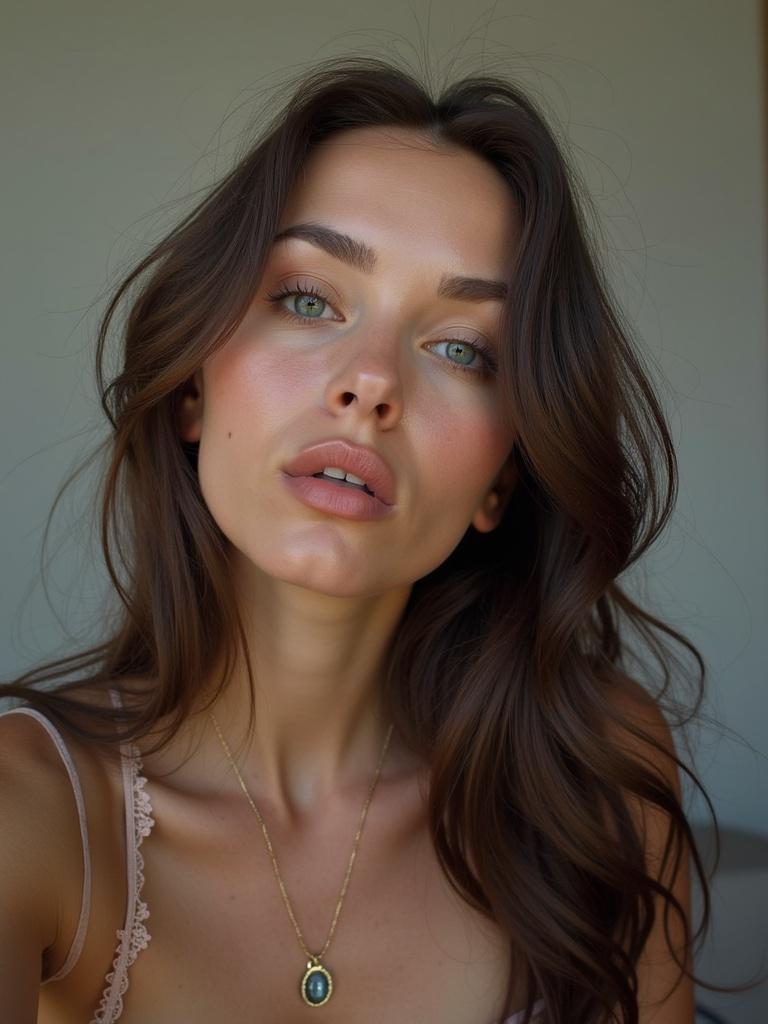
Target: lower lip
339	501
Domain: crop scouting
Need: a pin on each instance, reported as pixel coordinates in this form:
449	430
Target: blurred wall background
114	115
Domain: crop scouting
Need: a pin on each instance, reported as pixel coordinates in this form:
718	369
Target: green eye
315	296
488	367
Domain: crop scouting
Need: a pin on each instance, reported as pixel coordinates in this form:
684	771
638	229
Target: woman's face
369	362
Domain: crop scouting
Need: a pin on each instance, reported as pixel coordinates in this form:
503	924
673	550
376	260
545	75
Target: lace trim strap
134	936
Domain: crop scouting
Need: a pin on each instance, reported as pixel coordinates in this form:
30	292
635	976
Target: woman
362	735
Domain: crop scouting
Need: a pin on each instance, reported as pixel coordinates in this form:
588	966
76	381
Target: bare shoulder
665	994
42	843
641	729
40	852
34	783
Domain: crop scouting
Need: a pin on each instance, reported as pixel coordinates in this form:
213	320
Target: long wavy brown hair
501	670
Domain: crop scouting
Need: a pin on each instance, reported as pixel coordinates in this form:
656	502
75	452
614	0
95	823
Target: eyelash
490	368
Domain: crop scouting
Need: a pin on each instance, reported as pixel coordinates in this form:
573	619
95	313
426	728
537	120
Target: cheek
250	395
461	449
251	389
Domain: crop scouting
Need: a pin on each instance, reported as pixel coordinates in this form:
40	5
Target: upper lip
352	458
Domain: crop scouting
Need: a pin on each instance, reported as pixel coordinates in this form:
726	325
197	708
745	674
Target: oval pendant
316	985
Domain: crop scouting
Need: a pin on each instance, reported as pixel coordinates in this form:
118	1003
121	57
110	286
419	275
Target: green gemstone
316	986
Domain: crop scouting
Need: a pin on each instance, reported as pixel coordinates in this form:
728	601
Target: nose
371	381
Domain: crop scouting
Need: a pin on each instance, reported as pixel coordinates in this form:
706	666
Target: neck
320	723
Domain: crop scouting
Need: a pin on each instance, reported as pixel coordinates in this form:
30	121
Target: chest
223	946
405	945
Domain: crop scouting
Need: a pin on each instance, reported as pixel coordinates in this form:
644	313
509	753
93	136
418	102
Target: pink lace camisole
133	937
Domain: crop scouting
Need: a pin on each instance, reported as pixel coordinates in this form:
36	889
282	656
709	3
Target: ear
190	408
490	511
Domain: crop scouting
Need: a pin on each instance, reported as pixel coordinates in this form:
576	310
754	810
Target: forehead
409	198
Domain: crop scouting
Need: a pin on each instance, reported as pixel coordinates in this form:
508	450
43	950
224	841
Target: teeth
344	478
341	474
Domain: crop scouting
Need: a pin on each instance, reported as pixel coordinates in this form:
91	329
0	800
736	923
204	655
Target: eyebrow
361	256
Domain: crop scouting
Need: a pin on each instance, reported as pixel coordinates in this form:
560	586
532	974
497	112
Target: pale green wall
112	111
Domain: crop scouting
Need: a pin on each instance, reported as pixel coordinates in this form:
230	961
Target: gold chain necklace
316	984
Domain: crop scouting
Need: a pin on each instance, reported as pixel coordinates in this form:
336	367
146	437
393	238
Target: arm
665	996
39	824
